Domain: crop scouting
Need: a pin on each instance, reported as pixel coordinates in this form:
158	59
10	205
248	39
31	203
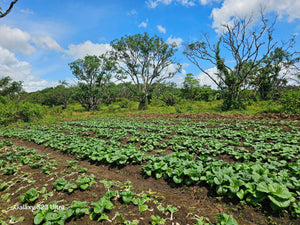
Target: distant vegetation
134	76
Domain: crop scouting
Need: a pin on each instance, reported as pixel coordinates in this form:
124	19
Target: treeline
18	105
138	69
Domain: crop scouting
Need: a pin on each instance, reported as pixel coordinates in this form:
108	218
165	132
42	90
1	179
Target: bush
123	103
29	112
290	101
11	111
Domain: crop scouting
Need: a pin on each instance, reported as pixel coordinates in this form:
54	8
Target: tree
10	89
146	61
190	86
2	14
93	73
60	95
168	93
272	75
249	49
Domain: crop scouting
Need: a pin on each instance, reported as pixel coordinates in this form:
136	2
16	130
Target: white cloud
205	80
15	39
171	40
243	8
143	24
154	3
161	29
87	48
20	71
27	11
47	43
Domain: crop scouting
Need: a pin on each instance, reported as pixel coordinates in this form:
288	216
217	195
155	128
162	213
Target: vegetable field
147	170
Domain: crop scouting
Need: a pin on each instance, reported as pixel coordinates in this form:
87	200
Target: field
152	169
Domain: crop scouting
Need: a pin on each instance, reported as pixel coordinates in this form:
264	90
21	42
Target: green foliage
29	196
10	89
291	101
190	87
104	204
93	73
52	96
12	111
85	182
157	220
224	219
145	61
278	194
77	209
10	169
50	214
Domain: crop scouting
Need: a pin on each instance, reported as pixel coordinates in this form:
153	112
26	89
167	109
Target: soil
191	201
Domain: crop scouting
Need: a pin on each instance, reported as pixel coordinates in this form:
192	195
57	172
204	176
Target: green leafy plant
278	194
77	209
62	184
50	215
29	196
10	170
99	208
127	196
157	220
224	219
59	184
85	182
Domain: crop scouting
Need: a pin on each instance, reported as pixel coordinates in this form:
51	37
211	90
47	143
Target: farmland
152	170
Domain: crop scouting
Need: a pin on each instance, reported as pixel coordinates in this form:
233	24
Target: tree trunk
143	104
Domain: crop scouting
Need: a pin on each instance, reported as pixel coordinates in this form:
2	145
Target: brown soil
241	116
195	199
190	201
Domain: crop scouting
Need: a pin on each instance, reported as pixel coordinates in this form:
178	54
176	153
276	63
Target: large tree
249	46
93	74
146	61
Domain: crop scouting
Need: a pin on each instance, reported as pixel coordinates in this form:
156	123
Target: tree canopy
144	60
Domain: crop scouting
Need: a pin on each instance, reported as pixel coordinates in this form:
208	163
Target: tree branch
9	9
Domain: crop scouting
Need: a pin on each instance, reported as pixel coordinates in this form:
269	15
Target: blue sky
40	37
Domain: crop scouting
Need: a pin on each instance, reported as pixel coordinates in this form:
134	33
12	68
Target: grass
76	111
184	106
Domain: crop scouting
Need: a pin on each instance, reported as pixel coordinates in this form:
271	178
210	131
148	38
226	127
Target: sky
39	38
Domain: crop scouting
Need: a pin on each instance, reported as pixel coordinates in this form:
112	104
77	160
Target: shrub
290	101
11	111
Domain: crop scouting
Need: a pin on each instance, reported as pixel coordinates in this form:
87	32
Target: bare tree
2	14
248	47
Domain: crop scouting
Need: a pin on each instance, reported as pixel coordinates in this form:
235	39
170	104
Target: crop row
264	166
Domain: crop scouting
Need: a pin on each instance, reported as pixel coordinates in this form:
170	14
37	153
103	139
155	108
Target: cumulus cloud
15	39
87	48
161	29
205	80
243	8
20	71
173	40
47	43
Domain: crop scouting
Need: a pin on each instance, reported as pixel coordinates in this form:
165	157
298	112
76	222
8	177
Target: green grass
76	111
